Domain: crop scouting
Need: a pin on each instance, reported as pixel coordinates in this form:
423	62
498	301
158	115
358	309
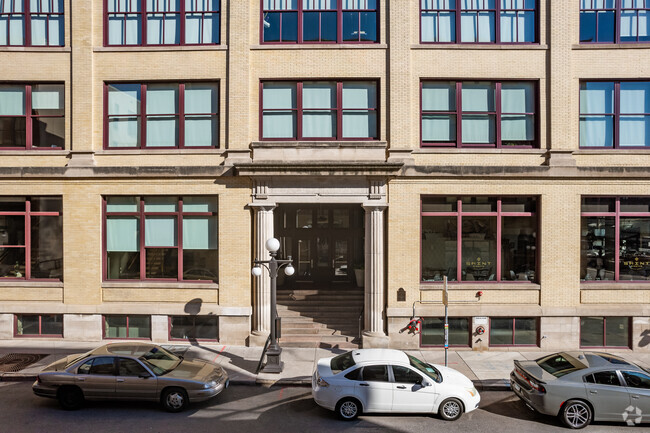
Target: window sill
56	49
610	46
214	151
479	47
139	49
454	150
482	285
324	143
32	284
610	151
34	152
319	47
612	285
159	285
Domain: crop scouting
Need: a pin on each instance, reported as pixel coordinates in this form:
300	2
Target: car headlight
210	384
472	391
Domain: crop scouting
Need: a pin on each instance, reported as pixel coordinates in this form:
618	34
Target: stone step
321	338
338	309
321	344
316	292
317	332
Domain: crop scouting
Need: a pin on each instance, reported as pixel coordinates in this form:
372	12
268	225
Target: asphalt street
255	408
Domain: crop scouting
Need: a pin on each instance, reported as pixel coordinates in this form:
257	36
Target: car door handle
401	387
81	379
363	384
593	392
636	397
120	380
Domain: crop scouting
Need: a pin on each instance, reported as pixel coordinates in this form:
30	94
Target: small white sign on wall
480	321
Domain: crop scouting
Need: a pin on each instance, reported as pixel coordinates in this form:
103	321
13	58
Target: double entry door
325	242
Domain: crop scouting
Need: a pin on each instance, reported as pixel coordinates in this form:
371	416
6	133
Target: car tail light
537	386
322	382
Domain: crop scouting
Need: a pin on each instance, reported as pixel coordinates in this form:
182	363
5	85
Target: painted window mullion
617	115
617	241
459	114
143	116
180	238
143	252
28	239
299	110
499	234
181	116
459	241
28	117
497	126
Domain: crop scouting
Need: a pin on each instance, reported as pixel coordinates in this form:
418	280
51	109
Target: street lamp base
273	362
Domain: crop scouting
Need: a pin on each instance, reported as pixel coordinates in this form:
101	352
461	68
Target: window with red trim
319	21
614	21
162	22
433	331
487	239
514	331
194	328
127	327
31	238
162	115
319	110
478	114
31	23
39	325
605	332
32	116
161	238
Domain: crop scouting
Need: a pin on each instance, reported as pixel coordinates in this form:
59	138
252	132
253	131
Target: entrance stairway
326	317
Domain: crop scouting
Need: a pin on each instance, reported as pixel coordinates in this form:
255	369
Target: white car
385	380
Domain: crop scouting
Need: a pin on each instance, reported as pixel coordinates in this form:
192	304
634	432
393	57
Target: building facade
149	149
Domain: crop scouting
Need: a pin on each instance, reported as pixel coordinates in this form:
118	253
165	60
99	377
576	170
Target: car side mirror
144	375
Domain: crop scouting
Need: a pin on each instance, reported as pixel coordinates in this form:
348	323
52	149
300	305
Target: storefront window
44	325
433	331
193	328
137	327
605	332
513	331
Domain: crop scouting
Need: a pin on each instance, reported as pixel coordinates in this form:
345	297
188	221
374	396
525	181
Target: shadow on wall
645	338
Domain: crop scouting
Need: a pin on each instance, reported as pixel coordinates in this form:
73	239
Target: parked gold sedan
130	371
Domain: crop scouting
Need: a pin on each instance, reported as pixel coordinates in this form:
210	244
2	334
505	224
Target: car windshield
342	362
560	364
425	368
160	361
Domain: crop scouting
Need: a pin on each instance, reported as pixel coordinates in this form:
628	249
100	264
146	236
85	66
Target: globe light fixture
273	245
289	270
256	271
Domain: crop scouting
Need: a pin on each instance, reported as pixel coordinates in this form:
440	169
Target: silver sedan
583	386
130	371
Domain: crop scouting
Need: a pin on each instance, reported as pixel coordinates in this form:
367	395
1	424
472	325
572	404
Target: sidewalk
488	370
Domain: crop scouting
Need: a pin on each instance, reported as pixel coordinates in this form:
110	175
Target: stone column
373	334
262	284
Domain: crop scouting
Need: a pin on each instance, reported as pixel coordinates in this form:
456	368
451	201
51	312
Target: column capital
370	206
263	206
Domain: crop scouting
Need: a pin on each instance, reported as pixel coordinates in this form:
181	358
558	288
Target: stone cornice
324	168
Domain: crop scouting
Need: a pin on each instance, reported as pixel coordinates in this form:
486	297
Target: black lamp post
273	265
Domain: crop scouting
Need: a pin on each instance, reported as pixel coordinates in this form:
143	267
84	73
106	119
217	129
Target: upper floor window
478	21
614	21
161	115
162	22
31	116
478	114
615	114
319	110
31	23
163	238
615	239
31	238
319	21
479	238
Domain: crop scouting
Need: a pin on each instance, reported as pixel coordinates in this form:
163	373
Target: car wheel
576	414
451	409
348	408
70	398
174	399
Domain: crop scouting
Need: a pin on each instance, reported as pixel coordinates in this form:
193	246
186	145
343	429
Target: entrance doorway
324	241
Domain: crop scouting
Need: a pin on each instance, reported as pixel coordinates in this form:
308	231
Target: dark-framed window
497	240
162	22
615	239
161	238
32	116
161	115
514	331
479	21
614	21
615	114
38	325
31	238
605	332
318	110
137	327
433	331
497	114
31	23
319	21
194	328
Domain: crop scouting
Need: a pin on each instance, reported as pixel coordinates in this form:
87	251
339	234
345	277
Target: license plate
515	386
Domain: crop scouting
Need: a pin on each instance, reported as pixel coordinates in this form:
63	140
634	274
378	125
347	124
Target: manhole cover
14	362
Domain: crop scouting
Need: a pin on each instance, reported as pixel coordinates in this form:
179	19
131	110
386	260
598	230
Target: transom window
478	21
31	23
162	115
319	21
614	21
127	326
31	238
161	238
32	116
513	331
39	325
319	110
615	114
604	332
162	22
478	114
615	239
479	239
